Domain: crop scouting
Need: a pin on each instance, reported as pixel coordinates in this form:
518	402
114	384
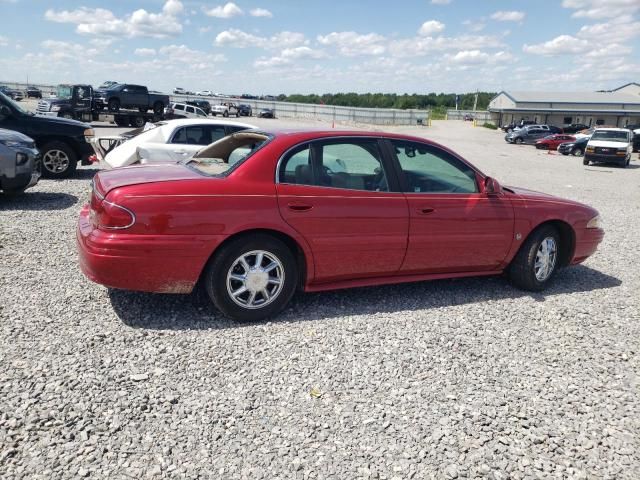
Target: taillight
107	215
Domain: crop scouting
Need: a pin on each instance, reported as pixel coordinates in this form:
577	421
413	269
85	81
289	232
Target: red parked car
256	216
553	141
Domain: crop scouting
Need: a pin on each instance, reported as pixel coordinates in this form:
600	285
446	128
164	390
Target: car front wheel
537	260
251	278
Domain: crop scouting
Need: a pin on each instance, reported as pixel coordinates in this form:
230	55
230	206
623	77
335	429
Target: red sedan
256	216
552	141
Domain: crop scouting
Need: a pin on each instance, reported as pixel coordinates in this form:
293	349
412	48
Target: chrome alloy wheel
545	259
255	279
55	161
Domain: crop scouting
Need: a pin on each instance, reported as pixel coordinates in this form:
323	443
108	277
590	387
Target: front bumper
599	157
587	241
149	263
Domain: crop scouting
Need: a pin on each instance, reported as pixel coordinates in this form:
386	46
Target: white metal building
619	107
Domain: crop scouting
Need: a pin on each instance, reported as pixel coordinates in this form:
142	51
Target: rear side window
178	107
296	168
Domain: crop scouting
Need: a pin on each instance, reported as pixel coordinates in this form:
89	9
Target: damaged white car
166	141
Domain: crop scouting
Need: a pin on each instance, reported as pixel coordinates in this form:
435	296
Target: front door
336	193
453	226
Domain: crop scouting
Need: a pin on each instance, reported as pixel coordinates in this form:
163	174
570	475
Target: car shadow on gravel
189	312
37	201
83	174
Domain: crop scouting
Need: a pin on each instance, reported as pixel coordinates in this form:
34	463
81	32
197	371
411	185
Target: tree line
431	101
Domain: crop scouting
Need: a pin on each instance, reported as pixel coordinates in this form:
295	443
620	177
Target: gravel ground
450	379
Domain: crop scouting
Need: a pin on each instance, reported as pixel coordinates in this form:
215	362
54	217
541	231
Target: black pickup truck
62	142
131	96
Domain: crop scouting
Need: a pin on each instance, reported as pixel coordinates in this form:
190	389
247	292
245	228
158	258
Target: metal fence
478	115
328	113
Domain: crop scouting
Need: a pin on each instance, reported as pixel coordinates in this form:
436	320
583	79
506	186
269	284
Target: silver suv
19	162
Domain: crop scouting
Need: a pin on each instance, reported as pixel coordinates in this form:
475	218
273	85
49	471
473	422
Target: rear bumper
587	241
150	263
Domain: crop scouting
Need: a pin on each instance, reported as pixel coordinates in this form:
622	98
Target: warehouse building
619	107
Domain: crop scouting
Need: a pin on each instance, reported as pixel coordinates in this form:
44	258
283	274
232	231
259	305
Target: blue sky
303	46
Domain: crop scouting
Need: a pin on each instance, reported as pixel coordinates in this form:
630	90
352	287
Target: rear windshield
221	157
610	135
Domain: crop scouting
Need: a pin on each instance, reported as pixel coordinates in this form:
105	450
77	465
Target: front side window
427	169
190	110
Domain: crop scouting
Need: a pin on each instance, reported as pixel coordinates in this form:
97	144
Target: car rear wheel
58	160
536	262
136	121
225	114
251	278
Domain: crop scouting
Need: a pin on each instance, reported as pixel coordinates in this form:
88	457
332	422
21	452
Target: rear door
339	195
453	227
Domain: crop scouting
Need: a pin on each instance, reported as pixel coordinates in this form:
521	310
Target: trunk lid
107	180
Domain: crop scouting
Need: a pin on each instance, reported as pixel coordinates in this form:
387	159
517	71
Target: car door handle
425	210
299	207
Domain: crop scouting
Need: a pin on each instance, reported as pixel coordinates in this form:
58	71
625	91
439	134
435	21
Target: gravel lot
449	379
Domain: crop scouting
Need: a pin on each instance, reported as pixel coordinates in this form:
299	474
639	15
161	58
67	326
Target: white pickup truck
225	109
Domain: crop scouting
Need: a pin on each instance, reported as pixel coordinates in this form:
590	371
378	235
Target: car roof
181	122
612	129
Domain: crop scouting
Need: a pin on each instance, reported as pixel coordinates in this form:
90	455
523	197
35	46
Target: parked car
635	128
132	96
225	109
267	113
468	118
203	104
204	93
245	110
33	92
182	110
551	142
258	215
528	135
19	162
168	141
575	148
574	127
11	93
61	142
179	91
510	127
609	145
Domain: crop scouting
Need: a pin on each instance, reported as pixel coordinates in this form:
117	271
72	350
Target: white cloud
4	41
240	39
420	46
182	53
431	27
622	29
288	55
144	52
561	45
351	44
228	10
260	12
508	16
441	2
474	25
59	50
478	57
102	22
599	9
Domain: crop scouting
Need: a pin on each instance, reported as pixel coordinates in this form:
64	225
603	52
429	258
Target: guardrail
328	113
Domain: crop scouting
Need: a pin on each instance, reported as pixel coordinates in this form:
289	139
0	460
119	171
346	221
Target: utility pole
475	101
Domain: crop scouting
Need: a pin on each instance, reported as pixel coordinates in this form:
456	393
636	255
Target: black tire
67	115
58	160
509	130
136	121
522	271
143	109
121	121
518	140
158	108
585	161
577	152
215	277
114	105
225	114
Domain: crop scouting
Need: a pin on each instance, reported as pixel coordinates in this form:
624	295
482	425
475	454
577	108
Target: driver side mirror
491	186
4	111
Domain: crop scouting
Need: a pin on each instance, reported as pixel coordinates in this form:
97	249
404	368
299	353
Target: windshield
7	101
221	156
611	136
64	92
